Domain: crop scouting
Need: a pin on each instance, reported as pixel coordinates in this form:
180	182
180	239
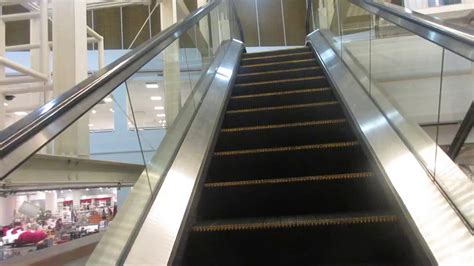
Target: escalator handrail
450	36
46	116
457	39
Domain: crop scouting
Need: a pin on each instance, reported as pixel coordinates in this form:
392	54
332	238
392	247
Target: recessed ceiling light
112	110
152	85
155	98
108	100
159	108
161	115
5	104
91	125
94	111
20	113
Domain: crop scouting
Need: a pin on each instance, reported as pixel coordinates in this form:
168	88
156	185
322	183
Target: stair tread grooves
269	94
282	107
288	148
279	81
293	222
285	125
278	63
276	56
278	71
298	179
284	51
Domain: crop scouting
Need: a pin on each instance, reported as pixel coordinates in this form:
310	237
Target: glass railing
423	86
148	115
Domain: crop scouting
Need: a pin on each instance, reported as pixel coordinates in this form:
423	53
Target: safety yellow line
289	148
279	63
278	81
275	56
288	125
282	107
296	222
288	180
277	71
279	93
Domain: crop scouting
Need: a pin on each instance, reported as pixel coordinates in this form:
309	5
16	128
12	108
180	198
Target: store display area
32	221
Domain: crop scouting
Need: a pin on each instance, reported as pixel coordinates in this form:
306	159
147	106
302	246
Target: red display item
31	237
5	229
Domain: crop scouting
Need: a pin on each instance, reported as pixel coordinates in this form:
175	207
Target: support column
70	67
7	210
2	71
171	67
76	198
51	201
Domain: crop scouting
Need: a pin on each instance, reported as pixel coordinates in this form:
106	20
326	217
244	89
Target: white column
171	68
122	195
70	67
51	201
2	70
7	210
76	198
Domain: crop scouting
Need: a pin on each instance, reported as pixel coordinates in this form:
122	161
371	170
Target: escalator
289	182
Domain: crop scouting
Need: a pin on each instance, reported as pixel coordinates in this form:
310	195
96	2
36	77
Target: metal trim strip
443	231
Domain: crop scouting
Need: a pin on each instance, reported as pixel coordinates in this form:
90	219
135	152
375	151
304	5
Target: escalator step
305	195
280	85
280	98
312	132
277	52
279	74
276	58
287	114
283	65
355	239
308	160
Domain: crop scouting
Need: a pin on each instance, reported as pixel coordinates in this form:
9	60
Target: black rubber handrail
43	124
457	39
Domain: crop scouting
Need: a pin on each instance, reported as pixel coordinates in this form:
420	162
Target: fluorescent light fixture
159	108
91	125
20	113
94	111
108	100
152	85
5	104
161	115
155	98
112	110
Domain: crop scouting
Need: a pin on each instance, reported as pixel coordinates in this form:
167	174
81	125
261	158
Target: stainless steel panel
164	221
119	237
444	232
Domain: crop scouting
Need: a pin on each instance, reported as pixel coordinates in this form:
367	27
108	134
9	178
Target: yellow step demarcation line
266	94
279	63
288	125
289	148
278	81
294	223
282	107
277	71
275	56
287	180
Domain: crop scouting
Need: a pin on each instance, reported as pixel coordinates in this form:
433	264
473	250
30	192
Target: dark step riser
287	199
267	76
252	88
280	66
287	164
269	138
332	111
278	52
279	100
273	59
360	244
